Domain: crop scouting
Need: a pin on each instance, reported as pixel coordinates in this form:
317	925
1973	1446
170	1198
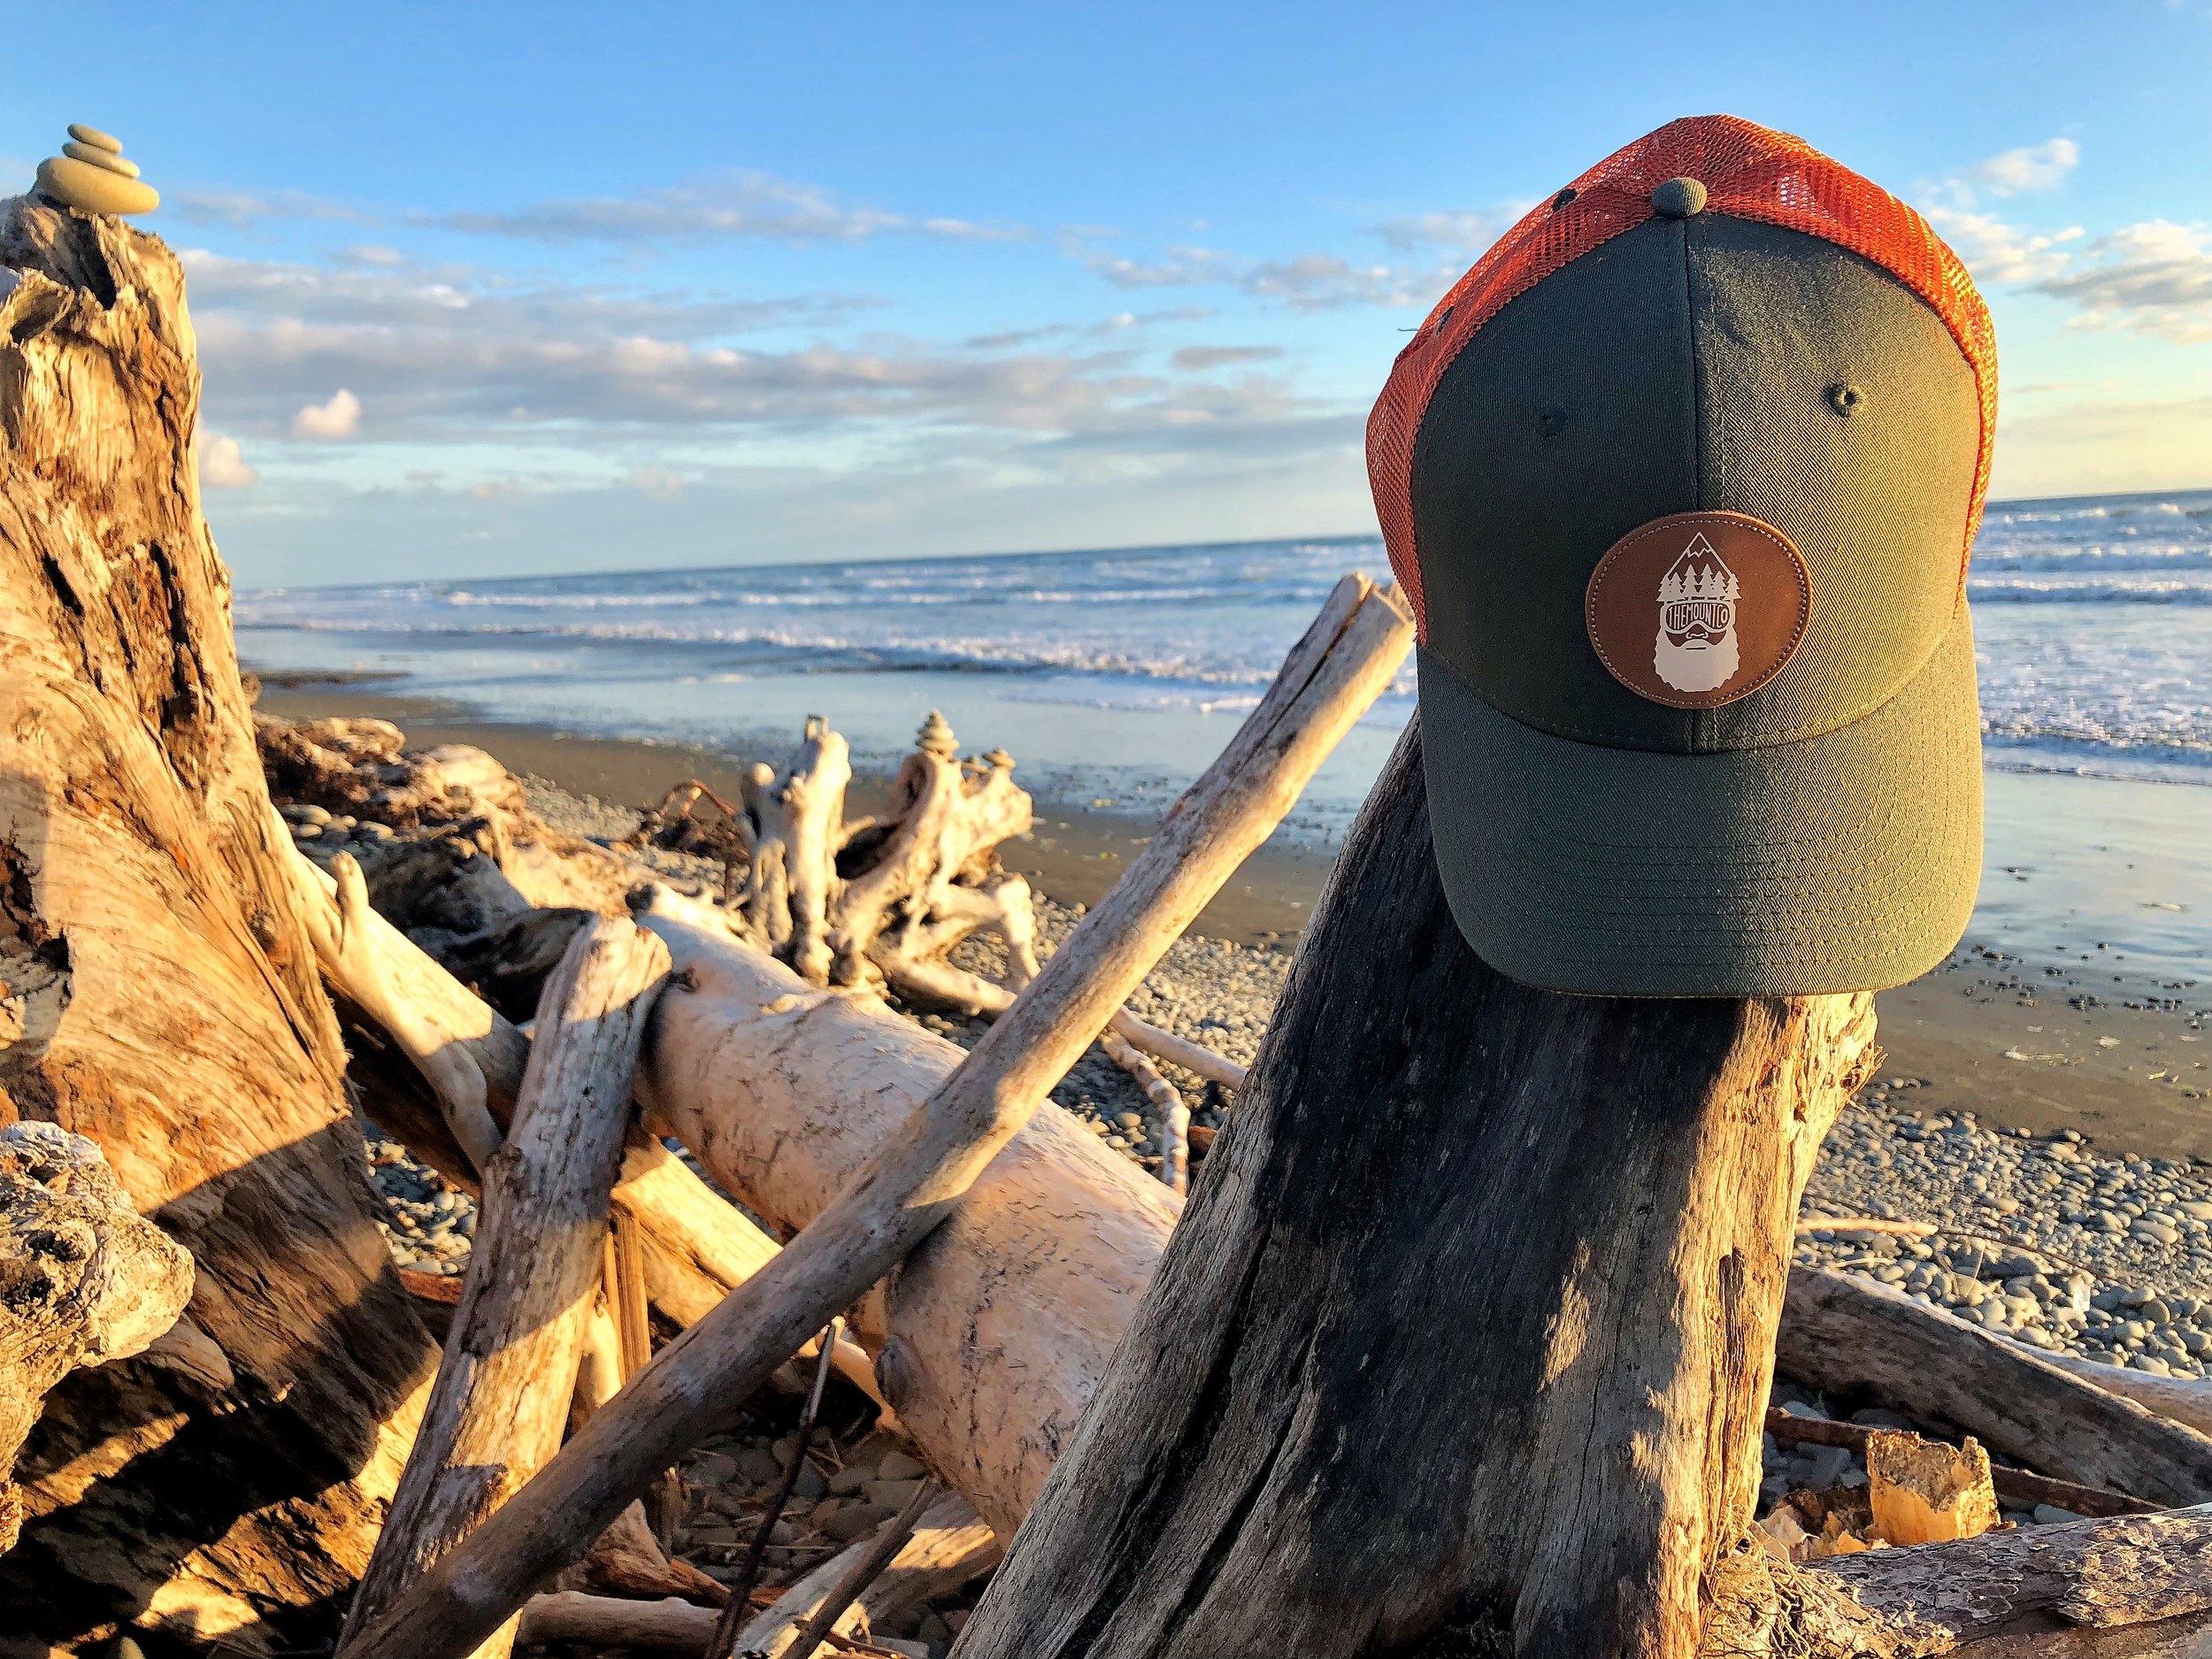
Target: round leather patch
1698	609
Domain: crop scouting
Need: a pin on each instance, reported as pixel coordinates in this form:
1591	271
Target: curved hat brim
1844	862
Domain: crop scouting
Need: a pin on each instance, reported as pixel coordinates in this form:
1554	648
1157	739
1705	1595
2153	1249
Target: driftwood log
162	1000
1292	1451
998	1328
502	1396
1864	1341
84	1279
1330	678
2133	1587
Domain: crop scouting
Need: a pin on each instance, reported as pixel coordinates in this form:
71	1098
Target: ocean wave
1988	590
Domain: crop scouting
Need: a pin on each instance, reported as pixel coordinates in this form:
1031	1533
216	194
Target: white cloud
328	422
242	209
455	358
1178	268
1469	233
1202	358
222	466
736	204
2030	167
2153	278
1318	282
1306	282
1997	251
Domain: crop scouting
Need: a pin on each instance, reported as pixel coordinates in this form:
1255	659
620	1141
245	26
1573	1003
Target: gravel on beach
2040	1238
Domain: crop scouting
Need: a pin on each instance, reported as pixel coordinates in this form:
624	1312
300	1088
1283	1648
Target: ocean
1114	677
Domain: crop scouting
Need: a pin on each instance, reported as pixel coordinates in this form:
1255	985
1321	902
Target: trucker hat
1680	479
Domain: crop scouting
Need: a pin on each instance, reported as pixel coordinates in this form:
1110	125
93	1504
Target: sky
502	290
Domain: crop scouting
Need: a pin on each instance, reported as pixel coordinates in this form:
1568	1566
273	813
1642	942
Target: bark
2136	1585
1291	1452
1330	678
163	1000
501	1395
84	1279
1862	1340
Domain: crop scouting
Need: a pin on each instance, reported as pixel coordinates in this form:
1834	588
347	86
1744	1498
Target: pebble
95	138
892	1495
899	1466
851	1521
2109	1258
94	188
100	158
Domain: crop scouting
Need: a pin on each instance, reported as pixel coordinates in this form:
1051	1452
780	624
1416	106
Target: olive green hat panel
1834	405
1569	420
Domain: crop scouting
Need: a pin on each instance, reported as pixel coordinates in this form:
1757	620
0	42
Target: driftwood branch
949	1547
890	1539
504	1388
1333	674
1848	1334
84	1279
997	1330
784	1090
601	1621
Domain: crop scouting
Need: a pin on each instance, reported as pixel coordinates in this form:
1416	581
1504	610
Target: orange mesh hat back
1749	173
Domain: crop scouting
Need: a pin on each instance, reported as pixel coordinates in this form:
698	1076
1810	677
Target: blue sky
497	288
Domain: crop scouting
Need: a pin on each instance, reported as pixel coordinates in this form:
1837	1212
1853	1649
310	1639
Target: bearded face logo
1696	647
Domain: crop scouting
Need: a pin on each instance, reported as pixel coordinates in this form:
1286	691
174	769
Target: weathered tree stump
1462	1344
163	1000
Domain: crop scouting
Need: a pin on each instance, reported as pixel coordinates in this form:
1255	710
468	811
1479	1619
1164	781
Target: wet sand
2041	1033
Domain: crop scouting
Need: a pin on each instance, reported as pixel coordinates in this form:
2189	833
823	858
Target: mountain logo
1695	649
1696	609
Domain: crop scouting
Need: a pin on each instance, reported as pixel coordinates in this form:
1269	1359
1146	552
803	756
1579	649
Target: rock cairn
91	175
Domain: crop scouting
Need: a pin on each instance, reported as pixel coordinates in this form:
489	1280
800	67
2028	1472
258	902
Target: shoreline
1074	854
2039	1042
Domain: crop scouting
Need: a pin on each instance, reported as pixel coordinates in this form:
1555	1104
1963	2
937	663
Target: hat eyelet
1845	400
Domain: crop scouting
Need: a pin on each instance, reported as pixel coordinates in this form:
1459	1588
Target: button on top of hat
1678	198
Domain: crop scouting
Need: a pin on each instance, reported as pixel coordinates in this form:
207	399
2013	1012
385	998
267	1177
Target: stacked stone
91	175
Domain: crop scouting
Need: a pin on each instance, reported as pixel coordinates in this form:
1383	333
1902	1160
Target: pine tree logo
1696	648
